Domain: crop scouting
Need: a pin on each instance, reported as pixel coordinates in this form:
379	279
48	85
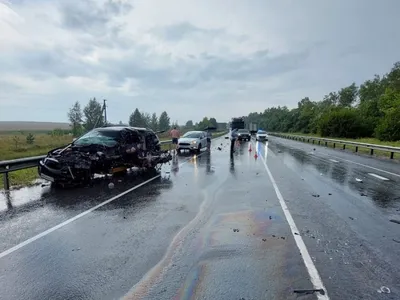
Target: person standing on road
233	139
175	135
209	136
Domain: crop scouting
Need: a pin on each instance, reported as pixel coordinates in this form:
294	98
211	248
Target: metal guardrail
357	145
8	166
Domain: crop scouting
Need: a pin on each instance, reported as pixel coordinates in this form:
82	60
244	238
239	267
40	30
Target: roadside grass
361	150
44	144
12	147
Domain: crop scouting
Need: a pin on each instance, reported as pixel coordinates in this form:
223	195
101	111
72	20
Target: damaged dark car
106	150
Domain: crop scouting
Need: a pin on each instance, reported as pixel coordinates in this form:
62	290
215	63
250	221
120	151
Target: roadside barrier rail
343	143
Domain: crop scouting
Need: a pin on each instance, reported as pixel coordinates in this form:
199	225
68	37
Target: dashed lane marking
377	176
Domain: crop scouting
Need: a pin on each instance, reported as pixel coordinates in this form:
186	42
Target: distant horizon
42	125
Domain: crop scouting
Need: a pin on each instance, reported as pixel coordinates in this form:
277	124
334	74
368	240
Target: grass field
42	144
361	150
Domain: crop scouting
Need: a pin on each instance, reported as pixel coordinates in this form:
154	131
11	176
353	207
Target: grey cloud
41	64
186	30
86	16
183	30
204	68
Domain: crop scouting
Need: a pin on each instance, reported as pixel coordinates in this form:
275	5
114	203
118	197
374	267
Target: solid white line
50	230
44	233
377	176
312	270
332	160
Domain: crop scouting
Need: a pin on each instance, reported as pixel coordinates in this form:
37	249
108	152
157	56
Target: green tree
189	125
135	119
30	139
203	124
93	115
342	122
75	117
146	120
388	128
154	122
348	95
213	122
164	121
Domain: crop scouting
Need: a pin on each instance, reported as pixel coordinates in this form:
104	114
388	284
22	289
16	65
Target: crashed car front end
69	165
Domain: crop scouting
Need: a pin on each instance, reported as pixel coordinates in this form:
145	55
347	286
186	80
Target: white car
261	135
193	141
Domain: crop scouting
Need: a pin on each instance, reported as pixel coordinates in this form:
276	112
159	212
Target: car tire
199	149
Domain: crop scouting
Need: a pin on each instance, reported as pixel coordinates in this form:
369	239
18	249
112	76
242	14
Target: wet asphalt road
210	227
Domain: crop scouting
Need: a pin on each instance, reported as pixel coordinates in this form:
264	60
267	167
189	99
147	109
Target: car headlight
194	142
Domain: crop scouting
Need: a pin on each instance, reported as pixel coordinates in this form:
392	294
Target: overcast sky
193	58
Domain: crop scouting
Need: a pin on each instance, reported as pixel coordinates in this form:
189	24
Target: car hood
187	140
244	133
262	134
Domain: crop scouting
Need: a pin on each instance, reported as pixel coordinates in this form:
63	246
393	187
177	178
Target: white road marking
50	230
366	166
376	169
377	176
333	160
312	270
44	233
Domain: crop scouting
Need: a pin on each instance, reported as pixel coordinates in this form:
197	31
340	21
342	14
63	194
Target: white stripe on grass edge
311	269
50	230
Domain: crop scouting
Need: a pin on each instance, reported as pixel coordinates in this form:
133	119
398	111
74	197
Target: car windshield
192	135
262	132
243	131
107	138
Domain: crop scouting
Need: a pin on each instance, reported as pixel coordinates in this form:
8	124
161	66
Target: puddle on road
244	227
16	198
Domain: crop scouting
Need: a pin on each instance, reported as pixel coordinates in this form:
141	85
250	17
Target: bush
343	123
30	139
389	127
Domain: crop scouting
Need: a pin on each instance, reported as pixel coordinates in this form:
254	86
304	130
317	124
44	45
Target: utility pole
105	111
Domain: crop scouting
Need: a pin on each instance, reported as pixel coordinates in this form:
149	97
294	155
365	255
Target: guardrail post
334	145
344	146
356	148
326	144
319	142
391	155
313	141
372	151
6	181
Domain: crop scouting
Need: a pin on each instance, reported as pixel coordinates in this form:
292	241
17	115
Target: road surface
212	227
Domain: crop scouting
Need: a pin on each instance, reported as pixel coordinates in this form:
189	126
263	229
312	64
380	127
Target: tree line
369	110
92	116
